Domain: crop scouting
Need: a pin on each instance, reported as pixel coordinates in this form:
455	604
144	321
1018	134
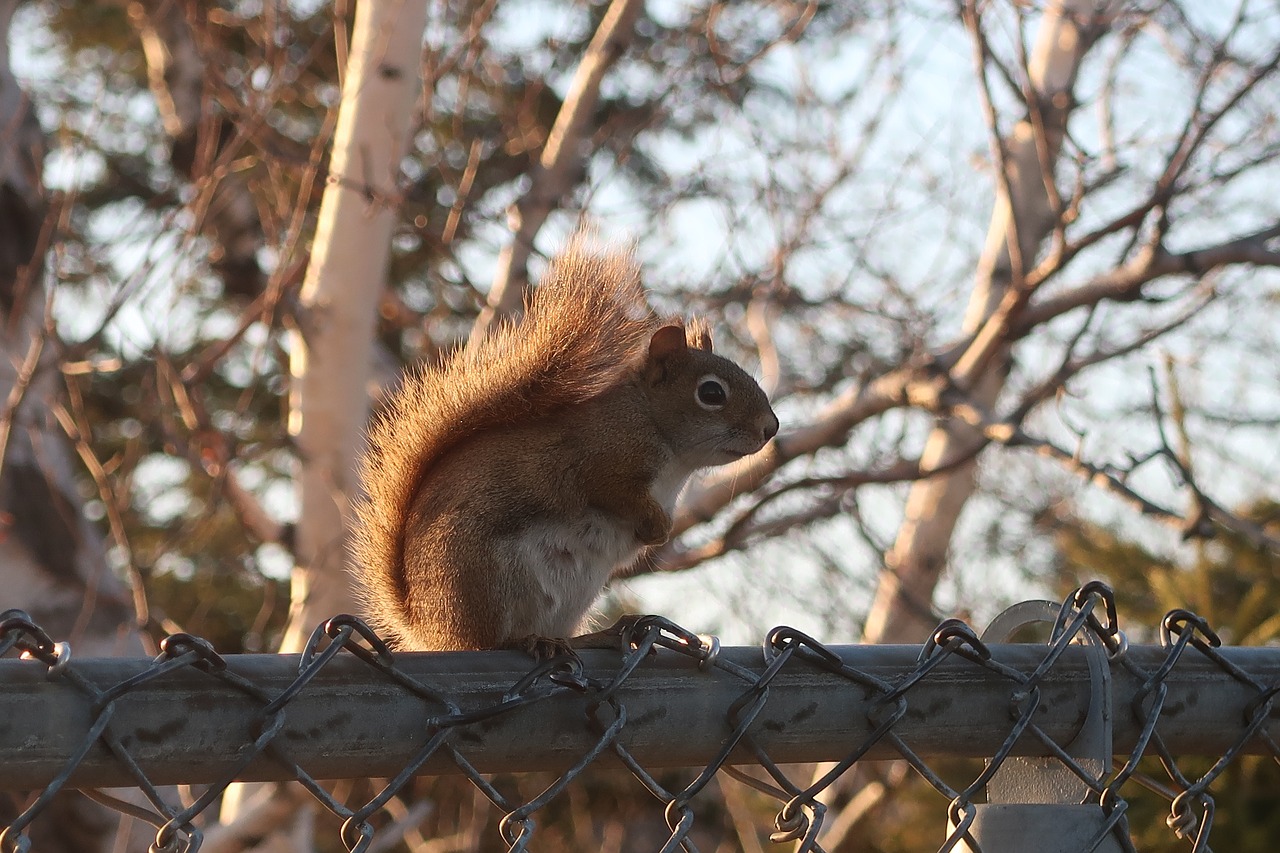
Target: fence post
1040	803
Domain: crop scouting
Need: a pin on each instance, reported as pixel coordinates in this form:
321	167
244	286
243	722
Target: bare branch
77	429
1125	283
562	156
212	455
1011	434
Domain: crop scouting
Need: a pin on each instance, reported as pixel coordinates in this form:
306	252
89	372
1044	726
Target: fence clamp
1042	803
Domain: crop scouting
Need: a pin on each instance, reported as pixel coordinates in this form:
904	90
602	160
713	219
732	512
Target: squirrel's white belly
571	561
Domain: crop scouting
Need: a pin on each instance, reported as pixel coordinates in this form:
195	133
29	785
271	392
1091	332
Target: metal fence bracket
1042	803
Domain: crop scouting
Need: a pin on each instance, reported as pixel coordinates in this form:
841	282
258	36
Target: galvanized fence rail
1046	716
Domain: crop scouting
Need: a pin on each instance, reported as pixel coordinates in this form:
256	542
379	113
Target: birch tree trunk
1024	216
331	351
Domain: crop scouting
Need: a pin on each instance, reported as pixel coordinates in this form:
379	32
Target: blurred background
1007	269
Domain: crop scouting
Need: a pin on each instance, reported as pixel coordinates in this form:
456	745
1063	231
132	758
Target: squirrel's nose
768	426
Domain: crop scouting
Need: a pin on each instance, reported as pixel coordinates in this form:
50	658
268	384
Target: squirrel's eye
711	393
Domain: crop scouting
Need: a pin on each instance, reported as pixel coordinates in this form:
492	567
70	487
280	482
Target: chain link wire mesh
1088	613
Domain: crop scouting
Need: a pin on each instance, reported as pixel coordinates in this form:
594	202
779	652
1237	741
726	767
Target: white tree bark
331	352
1024	216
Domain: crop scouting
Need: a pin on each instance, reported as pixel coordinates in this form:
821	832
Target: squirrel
505	485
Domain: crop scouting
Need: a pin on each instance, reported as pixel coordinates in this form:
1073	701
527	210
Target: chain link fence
1045	716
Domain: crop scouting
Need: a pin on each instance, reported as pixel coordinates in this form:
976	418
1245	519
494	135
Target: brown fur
547	435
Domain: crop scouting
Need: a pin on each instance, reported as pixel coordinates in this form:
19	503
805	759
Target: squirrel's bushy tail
585	326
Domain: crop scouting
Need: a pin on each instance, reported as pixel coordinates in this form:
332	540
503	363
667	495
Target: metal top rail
353	716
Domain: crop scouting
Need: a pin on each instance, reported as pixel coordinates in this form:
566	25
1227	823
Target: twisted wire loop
448	728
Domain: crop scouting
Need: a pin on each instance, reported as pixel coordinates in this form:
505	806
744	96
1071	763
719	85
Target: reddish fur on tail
586	325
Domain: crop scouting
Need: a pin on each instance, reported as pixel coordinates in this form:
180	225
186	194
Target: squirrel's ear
666	342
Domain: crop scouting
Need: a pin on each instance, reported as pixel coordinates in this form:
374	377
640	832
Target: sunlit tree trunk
1024	216
332	350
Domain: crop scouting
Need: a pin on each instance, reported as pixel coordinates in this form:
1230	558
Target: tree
1090	178
1235	585
52	560
332	348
